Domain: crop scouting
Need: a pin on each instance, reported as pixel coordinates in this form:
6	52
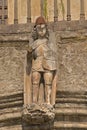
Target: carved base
38	116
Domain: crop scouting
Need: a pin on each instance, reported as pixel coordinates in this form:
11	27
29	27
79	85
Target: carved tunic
43	56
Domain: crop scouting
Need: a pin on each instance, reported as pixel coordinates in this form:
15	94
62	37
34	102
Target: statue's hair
35	35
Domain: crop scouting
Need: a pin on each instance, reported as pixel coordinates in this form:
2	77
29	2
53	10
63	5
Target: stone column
3	17
28	11
42	8
15	11
82	14
55	11
68	11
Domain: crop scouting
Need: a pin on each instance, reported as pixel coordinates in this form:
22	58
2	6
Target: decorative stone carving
40	76
38	114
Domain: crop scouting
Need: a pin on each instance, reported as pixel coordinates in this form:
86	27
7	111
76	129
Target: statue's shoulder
36	43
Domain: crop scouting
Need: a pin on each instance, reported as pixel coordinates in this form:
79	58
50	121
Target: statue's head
41	28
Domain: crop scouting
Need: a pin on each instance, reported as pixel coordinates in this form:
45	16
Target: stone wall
11	70
72	50
12	62
72	60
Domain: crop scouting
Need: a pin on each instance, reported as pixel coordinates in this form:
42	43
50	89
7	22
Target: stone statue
41	74
43	63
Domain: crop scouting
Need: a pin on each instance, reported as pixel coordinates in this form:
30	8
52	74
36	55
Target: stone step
11	97
71	100
71	94
12	127
70	105
73	114
11	104
10	110
12	100
70	125
71	111
10	116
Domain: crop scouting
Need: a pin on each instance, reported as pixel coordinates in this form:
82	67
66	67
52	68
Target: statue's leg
35	83
48	78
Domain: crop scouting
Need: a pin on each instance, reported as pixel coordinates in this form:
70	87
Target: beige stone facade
71	99
71	39
35	10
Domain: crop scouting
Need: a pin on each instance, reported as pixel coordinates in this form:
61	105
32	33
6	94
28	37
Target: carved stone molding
38	113
38	116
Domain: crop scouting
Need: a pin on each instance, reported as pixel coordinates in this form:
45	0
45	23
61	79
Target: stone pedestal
38	117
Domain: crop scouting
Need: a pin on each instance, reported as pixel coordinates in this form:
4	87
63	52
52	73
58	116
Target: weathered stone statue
41	72
43	61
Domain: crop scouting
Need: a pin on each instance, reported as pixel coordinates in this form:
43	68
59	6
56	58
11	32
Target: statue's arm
29	49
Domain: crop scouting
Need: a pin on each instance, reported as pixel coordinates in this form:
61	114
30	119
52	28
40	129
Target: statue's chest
42	49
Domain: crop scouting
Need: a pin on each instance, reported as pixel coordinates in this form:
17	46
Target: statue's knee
48	77
35	78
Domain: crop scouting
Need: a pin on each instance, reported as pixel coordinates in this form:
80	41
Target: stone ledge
69	111
9	101
70	125
15	28
10	119
70	94
12	127
71	100
70	105
10	116
60	25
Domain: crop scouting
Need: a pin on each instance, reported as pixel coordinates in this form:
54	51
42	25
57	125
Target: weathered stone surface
72	62
40	118
25	29
12	62
72	66
16	127
11	70
35	114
